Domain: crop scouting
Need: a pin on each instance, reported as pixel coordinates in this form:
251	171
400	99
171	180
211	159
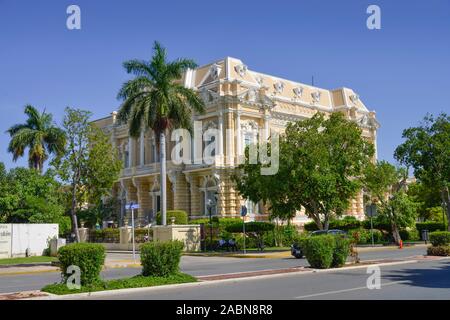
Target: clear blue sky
402	71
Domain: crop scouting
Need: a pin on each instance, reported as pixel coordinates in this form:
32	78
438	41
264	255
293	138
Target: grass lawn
28	260
125	283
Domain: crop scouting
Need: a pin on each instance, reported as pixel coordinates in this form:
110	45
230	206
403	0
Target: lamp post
210	204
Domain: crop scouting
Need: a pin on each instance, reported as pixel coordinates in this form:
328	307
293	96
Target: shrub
341	251
105	235
411	235
310	226
319	251
439	251
255	227
347	223
440	238
88	257
430	226
363	236
161	258
181	217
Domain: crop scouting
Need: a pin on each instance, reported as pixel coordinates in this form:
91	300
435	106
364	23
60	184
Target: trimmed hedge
443	251
89	257
341	251
325	251
254	226
431	226
411	235
440	238
110	235
160	259
181	217
319	251
345	224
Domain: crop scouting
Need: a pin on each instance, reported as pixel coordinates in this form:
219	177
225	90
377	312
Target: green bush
439	251
440	238
409	235
319	251
161	258
109	235
255	226
363	236
430	226
181	217
88	257
341	251
345	224
325	251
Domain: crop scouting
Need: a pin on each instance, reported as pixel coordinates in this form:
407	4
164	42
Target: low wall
188	234
18	240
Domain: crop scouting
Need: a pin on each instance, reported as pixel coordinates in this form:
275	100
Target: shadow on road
436	277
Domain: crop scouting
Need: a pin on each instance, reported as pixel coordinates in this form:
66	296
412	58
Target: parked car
296	250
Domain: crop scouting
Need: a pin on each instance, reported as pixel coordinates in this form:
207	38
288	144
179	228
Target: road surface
196	266
424	280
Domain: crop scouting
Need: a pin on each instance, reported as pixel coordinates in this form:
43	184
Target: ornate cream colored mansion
250	104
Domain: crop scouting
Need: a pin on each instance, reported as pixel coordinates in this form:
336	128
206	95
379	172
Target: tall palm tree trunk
162	156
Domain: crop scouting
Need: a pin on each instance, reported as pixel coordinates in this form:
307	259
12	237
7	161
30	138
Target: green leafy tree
427	150
90	165
428	199
26	196
320	164
386	186
39	135
154	99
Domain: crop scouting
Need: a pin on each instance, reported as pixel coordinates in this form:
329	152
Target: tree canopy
427	150
321	161
26	196
39	135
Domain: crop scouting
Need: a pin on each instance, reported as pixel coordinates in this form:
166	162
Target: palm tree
154	99
39	135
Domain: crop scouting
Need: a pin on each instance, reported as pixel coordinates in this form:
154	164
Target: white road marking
348	290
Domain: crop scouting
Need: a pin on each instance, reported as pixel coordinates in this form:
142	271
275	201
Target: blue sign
243	211
132	206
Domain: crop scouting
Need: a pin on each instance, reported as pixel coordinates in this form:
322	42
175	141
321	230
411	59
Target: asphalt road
196	266
424	280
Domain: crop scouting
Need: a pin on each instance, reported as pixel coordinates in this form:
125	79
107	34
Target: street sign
132	206
243	211
371	210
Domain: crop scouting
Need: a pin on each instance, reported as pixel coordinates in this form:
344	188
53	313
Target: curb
212	282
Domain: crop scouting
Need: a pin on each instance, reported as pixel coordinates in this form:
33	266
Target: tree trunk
396	233
73	213
162	156
326	224
445	194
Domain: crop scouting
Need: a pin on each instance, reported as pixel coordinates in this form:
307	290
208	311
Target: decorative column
142	150
238	134
266	127
130	152
220	146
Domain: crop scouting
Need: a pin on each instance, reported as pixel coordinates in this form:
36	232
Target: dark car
297	251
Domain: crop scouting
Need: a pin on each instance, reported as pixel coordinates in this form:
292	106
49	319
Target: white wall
35	237
5	240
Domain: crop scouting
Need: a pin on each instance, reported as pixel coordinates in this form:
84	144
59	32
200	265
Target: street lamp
210	204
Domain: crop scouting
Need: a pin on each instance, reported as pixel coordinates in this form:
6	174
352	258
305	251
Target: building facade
244	106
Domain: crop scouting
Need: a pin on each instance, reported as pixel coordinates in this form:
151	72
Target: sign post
371	211
132	206
243	214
